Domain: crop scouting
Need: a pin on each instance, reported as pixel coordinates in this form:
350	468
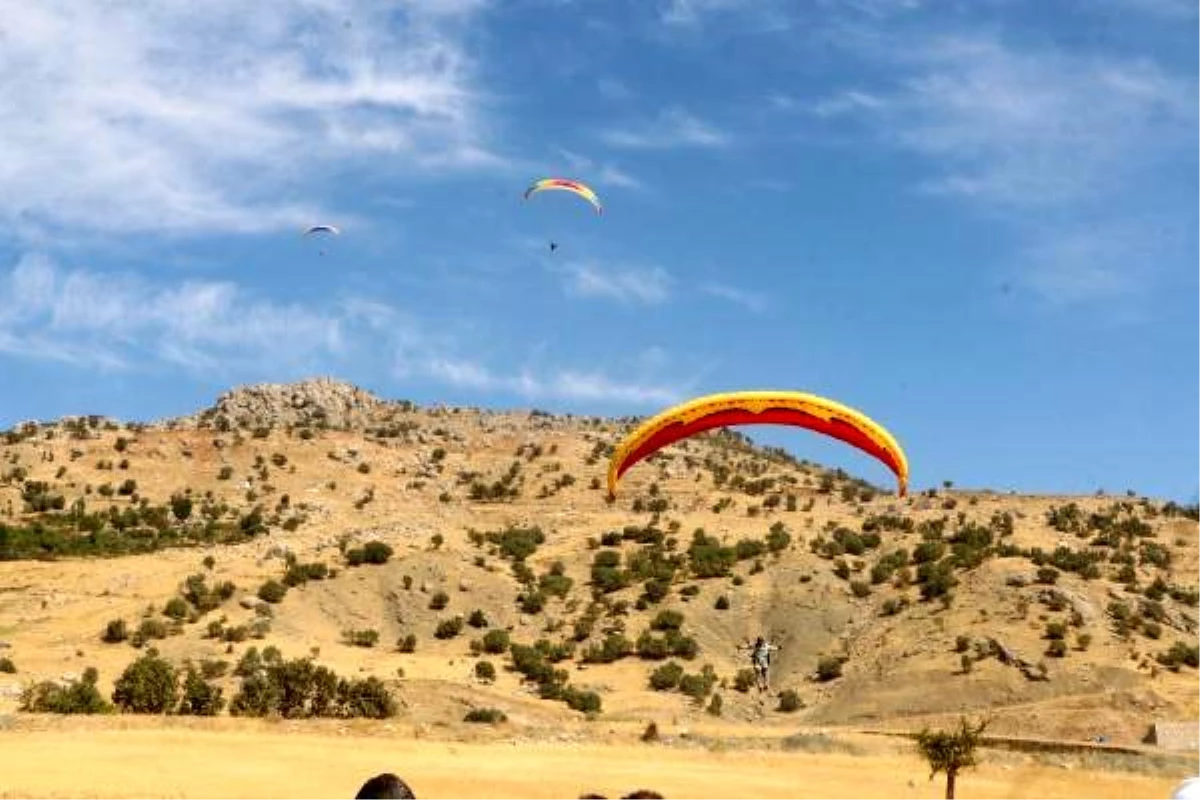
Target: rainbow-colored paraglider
566	185
758	408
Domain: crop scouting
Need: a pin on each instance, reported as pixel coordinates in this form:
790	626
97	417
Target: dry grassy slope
901	669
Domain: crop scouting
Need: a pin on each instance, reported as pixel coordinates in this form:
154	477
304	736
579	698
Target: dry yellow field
42	757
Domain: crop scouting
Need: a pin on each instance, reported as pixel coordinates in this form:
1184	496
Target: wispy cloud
558	384
1038	135
689	12
673	128
123	322
762	15
625	284
751	301
202	116
602	174
1091	262
1027	129
1171	10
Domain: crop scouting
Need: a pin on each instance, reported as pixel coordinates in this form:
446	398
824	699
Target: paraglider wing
566	185
758	408
323	229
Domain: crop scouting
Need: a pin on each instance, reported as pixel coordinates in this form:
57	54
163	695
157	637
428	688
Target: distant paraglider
758	408
566	185
577	188
329	230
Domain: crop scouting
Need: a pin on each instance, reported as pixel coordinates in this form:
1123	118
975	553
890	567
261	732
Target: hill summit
469	559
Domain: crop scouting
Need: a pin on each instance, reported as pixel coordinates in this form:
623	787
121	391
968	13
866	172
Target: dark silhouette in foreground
384	785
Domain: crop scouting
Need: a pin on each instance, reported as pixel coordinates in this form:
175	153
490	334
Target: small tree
951	752
147	686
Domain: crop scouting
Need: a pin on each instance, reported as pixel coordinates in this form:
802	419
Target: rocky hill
1061	617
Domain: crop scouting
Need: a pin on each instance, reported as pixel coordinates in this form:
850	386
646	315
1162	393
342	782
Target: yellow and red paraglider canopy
758	408
566	185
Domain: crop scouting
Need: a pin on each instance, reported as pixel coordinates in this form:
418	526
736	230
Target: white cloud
125	323
1171	10
193	116
751	301
114	321
1070	148
600	174
1096	262
674	127
1028	129
689	12
559	384
846	102
625	284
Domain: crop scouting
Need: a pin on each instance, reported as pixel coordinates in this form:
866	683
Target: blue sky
974	221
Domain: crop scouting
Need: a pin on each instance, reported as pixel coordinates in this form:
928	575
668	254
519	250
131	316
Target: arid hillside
315	521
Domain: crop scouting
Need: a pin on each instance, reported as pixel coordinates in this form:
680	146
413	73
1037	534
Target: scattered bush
407	644
495	641
272	591
485	671
200	698
364	638
789	701
147	686
488	716
115	631
449	628
666	677
79	697
829	668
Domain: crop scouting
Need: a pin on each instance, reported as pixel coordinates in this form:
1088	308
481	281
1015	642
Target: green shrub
666	677
449	628
407	644
147	686
744	680
667	620
176	608
1057	648
200	698
829	668
211	668
7	666
377	552
272	591
585	702
495	641
485	671
789	701
487	716
722	603
115	631
363	638
477	619
698	686
439	601
79	697
715	705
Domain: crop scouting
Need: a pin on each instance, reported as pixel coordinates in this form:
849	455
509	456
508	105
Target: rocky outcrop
317	402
